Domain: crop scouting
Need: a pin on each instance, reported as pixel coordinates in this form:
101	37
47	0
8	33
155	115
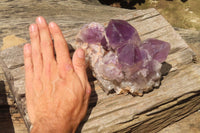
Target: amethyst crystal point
119	33
157	49
91	33
129	54
119	59
111	69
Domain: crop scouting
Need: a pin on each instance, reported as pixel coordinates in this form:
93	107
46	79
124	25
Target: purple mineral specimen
119	33
119	59
156	48
91	33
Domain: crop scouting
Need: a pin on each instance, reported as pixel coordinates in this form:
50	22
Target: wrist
51	127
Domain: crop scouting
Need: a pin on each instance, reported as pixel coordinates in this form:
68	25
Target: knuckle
80	65
59	42
62	73
57	32
27	55
36	56
46	43
28	66
64	70
36	53
34	35
43	27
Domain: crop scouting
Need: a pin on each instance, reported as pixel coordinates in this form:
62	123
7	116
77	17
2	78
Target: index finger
62	52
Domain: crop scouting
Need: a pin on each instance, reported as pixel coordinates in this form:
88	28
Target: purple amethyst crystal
91	33
156	48
119	33
119	59
129	54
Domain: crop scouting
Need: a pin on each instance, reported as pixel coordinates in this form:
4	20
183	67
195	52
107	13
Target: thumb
79	65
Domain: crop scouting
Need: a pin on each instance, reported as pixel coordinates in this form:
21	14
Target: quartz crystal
119	59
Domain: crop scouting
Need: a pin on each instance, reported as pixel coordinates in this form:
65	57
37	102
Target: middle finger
45	41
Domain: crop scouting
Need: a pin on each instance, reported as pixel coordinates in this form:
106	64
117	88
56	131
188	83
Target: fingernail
52	24
40	19
81	53
32	28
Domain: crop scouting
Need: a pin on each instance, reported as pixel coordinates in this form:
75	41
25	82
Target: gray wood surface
177	97
10	118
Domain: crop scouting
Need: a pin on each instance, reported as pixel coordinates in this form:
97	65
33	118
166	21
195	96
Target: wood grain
177	97
10	118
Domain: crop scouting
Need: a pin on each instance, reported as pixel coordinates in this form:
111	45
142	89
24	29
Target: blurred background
179	13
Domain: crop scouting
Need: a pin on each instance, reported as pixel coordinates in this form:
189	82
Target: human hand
57	89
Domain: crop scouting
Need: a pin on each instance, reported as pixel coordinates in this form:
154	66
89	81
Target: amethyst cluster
119	59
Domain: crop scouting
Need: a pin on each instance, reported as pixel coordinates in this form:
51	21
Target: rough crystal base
119	59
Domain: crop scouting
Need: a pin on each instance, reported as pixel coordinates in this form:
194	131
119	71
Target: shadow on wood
6	125
165	68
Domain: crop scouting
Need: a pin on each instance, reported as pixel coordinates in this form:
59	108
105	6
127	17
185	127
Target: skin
57	89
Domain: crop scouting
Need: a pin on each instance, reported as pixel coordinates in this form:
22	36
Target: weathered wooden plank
115	113
190	124
15	17
10	118
119	110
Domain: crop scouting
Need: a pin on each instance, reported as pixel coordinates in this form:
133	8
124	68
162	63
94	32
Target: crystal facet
156	48
119	59
119	33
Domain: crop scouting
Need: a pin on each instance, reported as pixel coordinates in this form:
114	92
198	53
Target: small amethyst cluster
119	59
